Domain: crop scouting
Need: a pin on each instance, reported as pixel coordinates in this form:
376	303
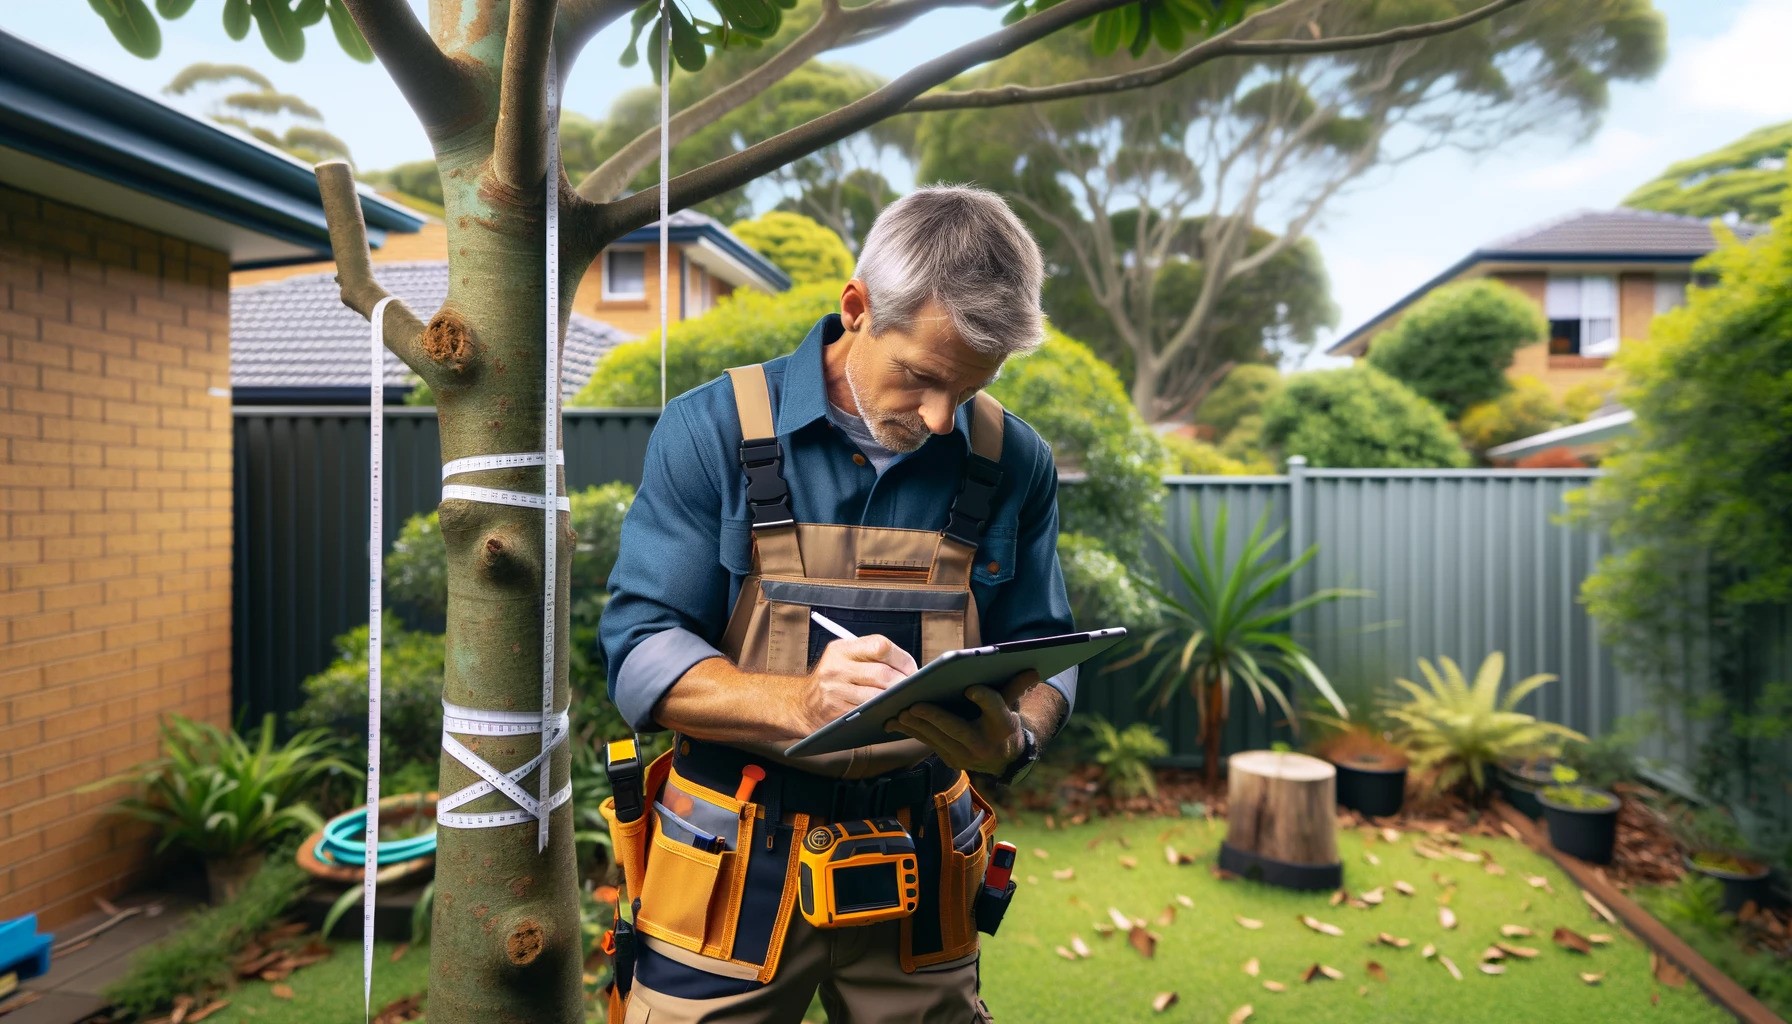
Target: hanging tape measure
376	438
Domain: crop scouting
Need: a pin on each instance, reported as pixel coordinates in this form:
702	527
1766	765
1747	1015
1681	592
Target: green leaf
643	14
1166	28
172	9
1105	38
343	903
236	19
132	24
687	46
1015	13
279	29
348	34
308	12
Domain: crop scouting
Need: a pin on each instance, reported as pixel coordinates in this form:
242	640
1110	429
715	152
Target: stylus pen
831	626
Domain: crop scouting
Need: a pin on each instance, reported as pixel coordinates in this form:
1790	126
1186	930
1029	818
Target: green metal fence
301	524
1458	563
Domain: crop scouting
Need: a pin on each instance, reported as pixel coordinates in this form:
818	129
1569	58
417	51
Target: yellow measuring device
857	872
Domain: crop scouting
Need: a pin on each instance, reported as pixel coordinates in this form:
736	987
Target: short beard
882	430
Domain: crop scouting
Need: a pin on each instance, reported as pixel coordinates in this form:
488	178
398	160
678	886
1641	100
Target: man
865	476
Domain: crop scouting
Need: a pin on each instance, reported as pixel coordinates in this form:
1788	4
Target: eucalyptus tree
506	942
1177	214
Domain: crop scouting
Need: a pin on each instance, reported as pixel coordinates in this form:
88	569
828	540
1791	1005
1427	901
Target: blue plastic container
22	949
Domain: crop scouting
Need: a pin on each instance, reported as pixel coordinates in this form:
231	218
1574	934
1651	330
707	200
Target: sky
1389	233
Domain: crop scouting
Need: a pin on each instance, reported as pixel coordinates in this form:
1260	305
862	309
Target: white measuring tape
376	442
480	722
550	532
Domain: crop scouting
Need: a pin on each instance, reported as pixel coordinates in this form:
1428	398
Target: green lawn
329	991
1203	952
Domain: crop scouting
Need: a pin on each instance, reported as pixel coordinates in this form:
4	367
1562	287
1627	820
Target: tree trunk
1281	820
1213	730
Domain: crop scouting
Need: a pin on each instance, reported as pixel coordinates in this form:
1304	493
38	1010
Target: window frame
610	294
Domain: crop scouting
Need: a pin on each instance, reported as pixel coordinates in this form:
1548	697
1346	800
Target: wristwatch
1021	765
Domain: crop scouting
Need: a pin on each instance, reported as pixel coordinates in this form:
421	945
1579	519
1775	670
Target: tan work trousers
855	969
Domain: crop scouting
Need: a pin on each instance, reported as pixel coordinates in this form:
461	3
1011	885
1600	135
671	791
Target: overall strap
975	501
762	460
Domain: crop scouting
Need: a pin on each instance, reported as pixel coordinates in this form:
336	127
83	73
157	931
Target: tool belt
735	903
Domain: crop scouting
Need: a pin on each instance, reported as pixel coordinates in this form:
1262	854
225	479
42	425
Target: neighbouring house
620	292
121	221
293	342
1600	278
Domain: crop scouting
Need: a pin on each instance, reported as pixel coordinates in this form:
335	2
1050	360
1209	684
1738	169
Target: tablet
943	681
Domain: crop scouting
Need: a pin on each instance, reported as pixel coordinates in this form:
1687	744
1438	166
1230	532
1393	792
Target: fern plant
1125	755
1459	729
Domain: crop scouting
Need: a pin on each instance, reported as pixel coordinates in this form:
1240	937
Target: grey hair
964	248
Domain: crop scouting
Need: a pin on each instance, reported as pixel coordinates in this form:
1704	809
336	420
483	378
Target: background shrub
1453	345
1359	417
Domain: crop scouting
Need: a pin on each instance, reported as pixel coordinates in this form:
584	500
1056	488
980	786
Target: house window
625	274
1670	291
1583	314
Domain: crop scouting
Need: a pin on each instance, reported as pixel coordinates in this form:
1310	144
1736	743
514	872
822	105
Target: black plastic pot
1374	791
1520	782
1740	889
1582	832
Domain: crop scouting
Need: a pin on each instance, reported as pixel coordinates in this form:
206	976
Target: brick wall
115	531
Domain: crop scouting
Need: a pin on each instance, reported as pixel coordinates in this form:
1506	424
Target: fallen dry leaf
1275	986
1143	941
1391	835
1598	908
1041	854
1167	916
1446	917
1372	860
1666	971
1495	868
1427	851
1064	875
1376	971
1065	953
1450	965
1539	882
1521	952
1240	1015
1104	930
1404	888
1129	862
1592	978
1429	951
1493	953
1175	857
1493	968
1320	926
1079	947
402	948
206	1011
1248	922
1374	896
1120	920
1251	967
1515	931
1466	856
1393	940
1185	901
1340	896
1571	940
1163	1002
281	991
1600	939
1321	971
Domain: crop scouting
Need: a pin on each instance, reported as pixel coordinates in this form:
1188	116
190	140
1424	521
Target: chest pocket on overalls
886	611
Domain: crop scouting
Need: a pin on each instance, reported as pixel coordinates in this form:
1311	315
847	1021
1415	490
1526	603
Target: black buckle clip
856	798
768	496
971	509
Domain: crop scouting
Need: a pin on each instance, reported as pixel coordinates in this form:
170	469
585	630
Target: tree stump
1281	813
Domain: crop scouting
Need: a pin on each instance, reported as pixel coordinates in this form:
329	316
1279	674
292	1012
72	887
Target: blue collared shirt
687	539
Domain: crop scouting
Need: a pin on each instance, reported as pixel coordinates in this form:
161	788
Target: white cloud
1613	151
1744	70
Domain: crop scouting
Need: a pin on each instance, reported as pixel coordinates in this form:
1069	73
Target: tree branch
576	24
1226	44
439	90
640	209
519	153
614	174
354	268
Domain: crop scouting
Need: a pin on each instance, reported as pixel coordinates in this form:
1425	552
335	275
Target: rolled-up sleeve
668	588
1034	603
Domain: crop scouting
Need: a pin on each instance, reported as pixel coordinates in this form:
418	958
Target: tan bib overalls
721	938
